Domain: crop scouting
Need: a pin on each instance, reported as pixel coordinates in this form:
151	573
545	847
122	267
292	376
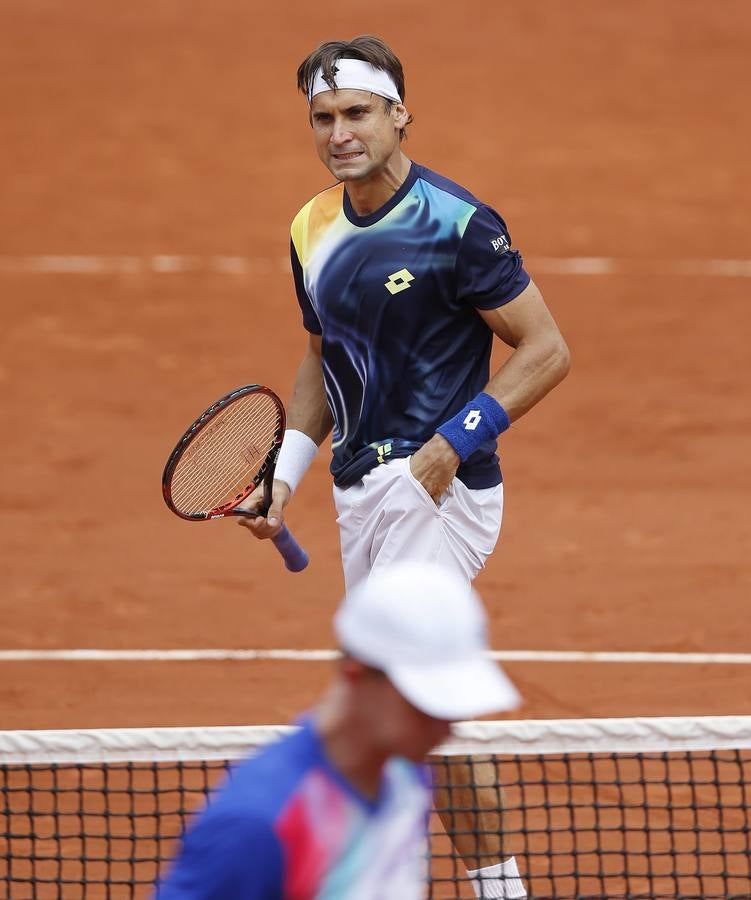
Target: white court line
580	265
536	656
172	264
160	264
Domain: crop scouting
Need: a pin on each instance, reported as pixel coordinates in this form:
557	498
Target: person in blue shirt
339	810
404	279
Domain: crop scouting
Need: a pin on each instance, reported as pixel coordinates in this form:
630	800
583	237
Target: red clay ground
605	130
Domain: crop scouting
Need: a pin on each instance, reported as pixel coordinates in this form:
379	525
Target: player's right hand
270	525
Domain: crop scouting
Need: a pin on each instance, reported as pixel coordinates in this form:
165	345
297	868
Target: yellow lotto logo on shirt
399	281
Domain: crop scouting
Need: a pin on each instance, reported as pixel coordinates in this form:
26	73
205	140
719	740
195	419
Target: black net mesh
580	825
94	830
649	825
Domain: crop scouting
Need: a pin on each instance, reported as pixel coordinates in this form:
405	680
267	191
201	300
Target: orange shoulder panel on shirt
313	220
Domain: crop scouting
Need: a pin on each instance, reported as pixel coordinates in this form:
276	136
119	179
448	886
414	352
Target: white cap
426	629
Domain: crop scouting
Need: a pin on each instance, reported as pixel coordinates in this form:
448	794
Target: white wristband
295	456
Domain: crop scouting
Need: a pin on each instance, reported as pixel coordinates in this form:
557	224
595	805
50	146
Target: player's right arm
309	413
309	409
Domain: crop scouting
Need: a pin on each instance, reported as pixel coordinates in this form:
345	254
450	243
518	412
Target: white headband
357	75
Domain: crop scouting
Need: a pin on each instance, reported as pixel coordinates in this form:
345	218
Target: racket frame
265	473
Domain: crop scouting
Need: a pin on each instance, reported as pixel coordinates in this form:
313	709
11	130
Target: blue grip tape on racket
295	558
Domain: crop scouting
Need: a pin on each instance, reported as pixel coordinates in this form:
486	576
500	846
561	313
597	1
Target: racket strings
226	455
227	463
229	434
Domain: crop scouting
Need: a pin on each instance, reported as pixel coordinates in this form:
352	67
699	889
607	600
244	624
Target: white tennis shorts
389	517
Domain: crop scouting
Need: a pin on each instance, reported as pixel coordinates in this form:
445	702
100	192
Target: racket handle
295	558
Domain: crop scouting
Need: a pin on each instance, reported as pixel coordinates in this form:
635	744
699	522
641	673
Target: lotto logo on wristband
478	423
472	420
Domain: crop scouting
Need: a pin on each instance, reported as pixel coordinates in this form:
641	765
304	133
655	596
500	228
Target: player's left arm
539	361
540	358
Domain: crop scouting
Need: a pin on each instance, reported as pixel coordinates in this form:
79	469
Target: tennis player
404	278
339	810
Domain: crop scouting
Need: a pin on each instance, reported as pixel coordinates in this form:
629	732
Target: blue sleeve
489	271
309	315
227	853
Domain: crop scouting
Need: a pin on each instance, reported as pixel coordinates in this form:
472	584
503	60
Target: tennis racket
228	451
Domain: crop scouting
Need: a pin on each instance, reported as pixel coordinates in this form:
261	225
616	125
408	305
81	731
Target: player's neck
341	732
369	194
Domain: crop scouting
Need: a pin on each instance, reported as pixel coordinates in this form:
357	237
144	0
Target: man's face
356	135
398	727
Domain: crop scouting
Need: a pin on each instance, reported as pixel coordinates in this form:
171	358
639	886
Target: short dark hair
367	47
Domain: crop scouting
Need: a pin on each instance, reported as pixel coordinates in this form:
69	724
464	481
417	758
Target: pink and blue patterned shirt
286	825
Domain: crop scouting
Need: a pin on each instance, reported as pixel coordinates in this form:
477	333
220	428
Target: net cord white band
526	737
297	452
357	75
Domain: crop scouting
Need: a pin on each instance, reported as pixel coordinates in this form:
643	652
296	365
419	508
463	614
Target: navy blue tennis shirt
395	295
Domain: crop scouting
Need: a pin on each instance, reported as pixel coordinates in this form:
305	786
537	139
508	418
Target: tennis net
593	808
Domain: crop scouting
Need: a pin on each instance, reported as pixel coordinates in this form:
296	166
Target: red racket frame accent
295	558
226	509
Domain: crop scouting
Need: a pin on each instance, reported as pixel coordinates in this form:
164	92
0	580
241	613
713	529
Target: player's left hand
434	466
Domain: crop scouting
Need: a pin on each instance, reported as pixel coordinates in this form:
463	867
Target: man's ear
352	669
401	116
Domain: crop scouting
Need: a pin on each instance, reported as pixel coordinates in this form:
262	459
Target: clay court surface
167	144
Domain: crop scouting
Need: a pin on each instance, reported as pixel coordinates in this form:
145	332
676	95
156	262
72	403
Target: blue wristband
481	420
